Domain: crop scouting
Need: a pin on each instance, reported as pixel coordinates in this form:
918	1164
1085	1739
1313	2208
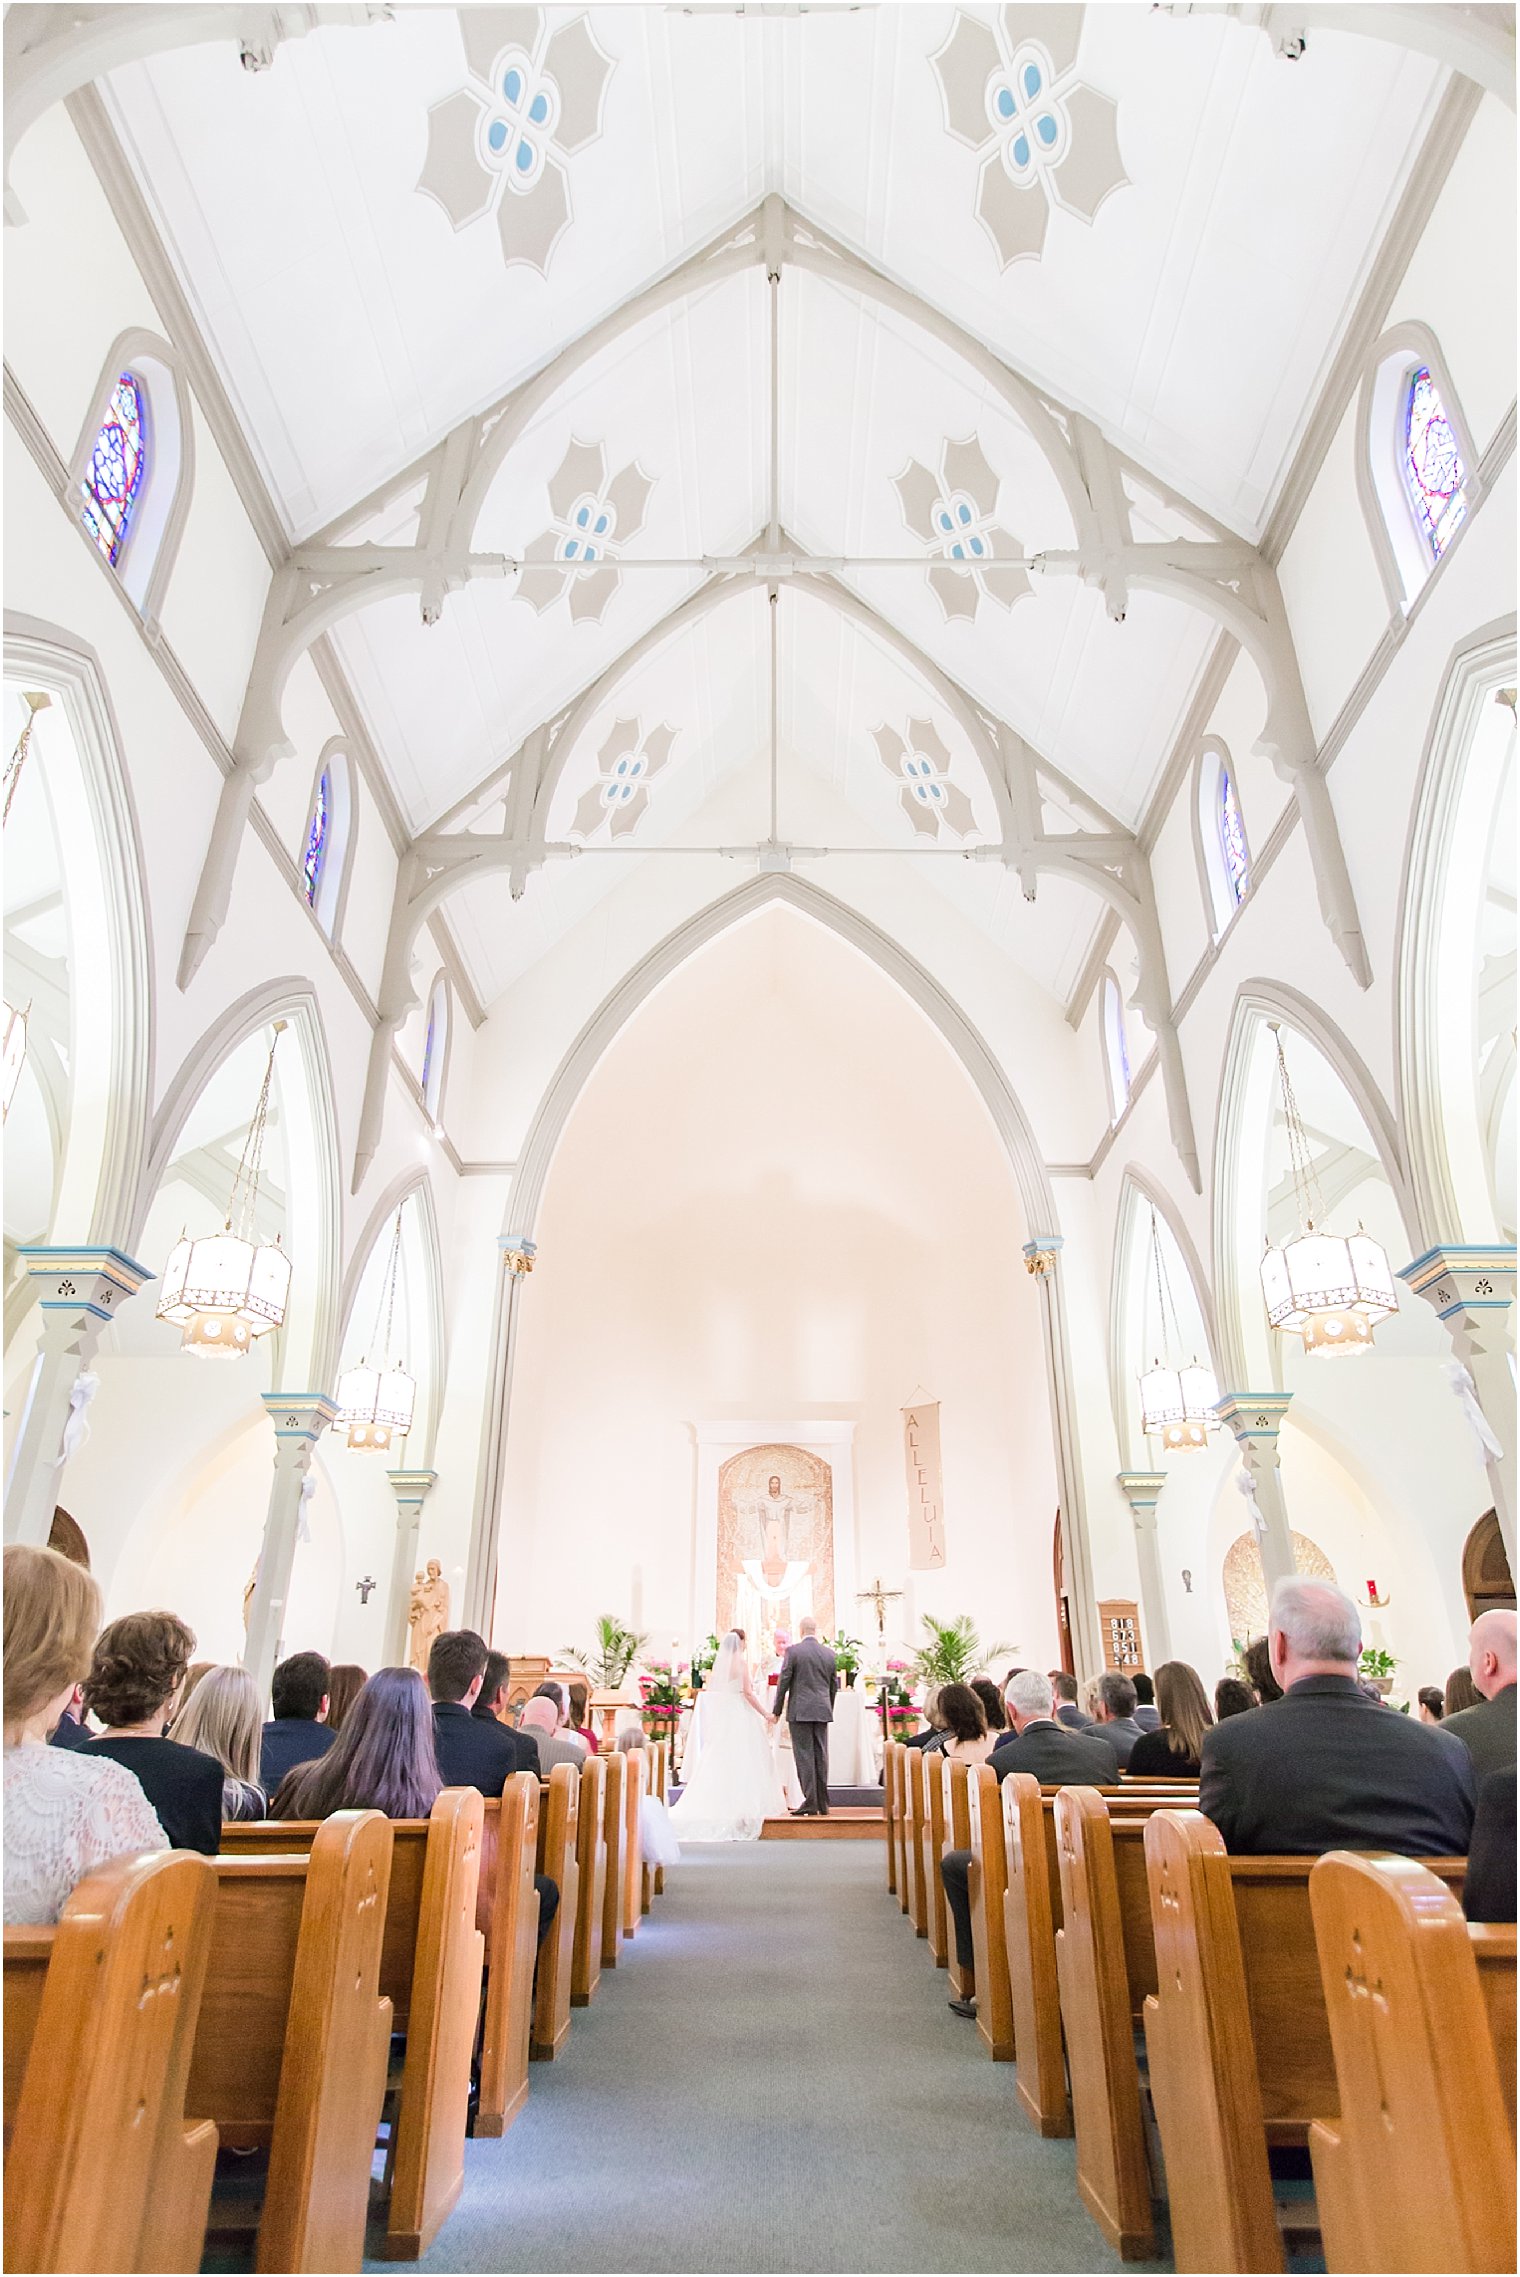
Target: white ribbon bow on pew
76	1428
1465	1391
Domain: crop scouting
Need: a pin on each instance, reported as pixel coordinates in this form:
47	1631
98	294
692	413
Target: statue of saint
428	1613
775	1590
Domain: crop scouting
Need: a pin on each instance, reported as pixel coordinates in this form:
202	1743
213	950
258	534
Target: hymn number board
1119	1619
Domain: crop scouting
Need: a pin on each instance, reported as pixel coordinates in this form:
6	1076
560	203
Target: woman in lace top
65	1813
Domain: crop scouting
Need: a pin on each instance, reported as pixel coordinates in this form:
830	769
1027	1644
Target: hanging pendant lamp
378	1404
1176	1403
225	1290
1330	1289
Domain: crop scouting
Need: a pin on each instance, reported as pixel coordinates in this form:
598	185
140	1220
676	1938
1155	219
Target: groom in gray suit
806	1687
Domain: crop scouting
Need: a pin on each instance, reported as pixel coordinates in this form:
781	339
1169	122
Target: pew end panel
615	1820
635	1786
1417	2171
932	1837
988	1888
889	1812
558	1833
591	1883
1031	1912
105	2171
510	1955
957	1817
429	2129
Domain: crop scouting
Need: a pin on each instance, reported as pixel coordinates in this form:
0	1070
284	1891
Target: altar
854	1741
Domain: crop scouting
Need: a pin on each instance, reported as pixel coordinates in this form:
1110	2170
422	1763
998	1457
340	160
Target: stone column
517	1258
1255	1418
299	1420
1041	1258
411	1489
1143	1490
1471	1287
79	1292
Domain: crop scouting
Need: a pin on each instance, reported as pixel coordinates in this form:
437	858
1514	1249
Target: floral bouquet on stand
660	1699
899	1716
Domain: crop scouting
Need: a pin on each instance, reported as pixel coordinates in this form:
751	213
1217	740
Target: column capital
83	1277
412	1486
1254	1418
1041	1253
299	1418
1143	1489
1464	1277
517	1252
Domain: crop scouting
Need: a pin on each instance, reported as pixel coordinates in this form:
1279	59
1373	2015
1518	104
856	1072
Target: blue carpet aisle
770	2080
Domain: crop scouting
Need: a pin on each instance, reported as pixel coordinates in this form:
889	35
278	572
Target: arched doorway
1486	1578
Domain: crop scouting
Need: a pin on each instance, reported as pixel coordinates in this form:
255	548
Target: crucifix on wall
881	1599
364	1587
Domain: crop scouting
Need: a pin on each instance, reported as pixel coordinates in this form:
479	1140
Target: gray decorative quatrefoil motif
954	514
532	100
920	764
629	760
592	518
1046	138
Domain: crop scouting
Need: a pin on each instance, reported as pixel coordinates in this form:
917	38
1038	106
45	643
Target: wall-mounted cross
881	1599
364	1587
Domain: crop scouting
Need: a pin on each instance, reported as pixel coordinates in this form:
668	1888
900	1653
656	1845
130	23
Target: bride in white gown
734	1784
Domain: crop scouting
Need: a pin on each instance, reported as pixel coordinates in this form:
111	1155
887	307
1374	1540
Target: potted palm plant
611	1657
953	1652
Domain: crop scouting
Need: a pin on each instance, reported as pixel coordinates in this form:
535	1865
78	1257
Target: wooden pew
104	2171
988	1885
591	1882
931	1835
664	1753
635	1775
657	1783
900	1823
558	1838
889	1811
1031	1917
913	1815
957	1815
1418	2171
431	1962
509	1852
615	1821
1106	1967
1236	2033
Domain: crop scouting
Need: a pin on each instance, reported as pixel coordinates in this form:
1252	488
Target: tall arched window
1115	1047
435	1046
1232	838
328	841
113	481
1435	477
1223	849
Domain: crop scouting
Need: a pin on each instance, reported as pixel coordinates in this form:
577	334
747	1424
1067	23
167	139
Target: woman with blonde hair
66	1812
224	1718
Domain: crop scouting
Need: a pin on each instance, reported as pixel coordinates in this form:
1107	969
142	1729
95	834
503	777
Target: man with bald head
1488	1731
1325	1767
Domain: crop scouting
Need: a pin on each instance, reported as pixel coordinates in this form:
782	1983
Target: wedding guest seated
346	1680
1323	1767
967	1739
551	1689
1172	1751
491	1702
1039	1745
66	1812
72	1729
1461	1692
931	1739
1064	1686
193	1675
1116	1714
1147	1715
133	1688
1487	1731
382	1760
223	1720
1432	1703
299	1732
1488	1894
1232	1697
579	1725
471	1753
1258	1667
540	1724
992	1705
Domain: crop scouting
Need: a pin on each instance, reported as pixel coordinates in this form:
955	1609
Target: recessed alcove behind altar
779	1195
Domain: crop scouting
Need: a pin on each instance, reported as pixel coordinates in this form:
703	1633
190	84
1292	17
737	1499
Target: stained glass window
114	478
1116	1047
1232	838
428	1042
316	839
1434	476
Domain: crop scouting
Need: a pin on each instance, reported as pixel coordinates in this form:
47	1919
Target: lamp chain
386	1357
1306	1189
35	703
1165	1302
251	1163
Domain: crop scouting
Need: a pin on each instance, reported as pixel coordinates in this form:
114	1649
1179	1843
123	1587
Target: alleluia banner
926	1486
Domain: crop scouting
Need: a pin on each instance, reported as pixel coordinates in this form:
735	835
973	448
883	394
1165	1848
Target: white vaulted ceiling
1183	278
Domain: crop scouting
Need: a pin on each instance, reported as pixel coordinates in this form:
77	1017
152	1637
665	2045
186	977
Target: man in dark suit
1488	1731
300	1731
491	1703
806	1688
1488	1894
472	1753
1325	1767
1064	1685
1039	1745
1147	1714
1116	1713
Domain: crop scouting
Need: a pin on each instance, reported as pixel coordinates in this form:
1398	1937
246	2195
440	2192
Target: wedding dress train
734	1784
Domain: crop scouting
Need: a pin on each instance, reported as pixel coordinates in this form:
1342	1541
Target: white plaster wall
1331	585
1461	279
778	1195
